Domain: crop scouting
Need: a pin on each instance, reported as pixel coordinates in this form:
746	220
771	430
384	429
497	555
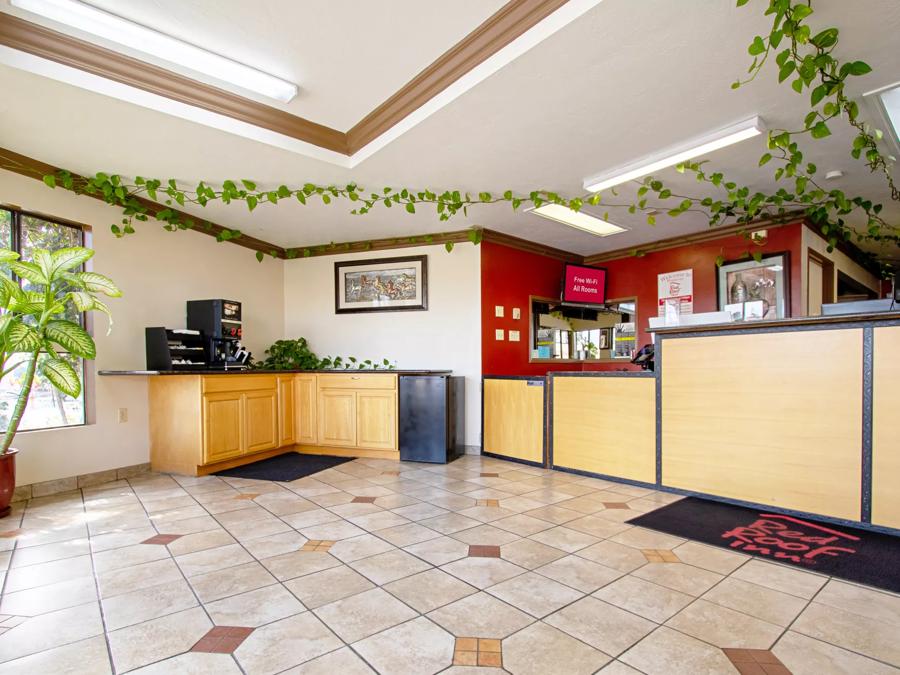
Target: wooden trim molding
531	246
500	29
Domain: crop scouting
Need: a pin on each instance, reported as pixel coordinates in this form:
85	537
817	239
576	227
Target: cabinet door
222	426
337	417
260	420
287	418
305	403
376	419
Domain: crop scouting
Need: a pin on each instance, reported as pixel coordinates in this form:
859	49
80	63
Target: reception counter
800	415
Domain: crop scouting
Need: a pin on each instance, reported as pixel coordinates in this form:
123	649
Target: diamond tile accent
363	500
484	652
249	496
756	662
482	551
162	539
660	555
490	475
321	545
487	502
222	639
616	505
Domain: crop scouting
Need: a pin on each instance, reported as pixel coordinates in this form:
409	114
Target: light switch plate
498	334
513	336
517	313
498	311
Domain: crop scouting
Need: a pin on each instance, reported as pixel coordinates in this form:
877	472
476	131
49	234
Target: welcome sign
584	285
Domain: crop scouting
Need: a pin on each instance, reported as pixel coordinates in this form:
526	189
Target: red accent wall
509	276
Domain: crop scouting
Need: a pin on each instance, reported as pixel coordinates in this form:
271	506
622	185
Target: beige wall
157	271
842	263
447	336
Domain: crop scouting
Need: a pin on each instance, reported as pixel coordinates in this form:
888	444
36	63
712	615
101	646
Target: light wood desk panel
514	419
773	418
606	425
886	428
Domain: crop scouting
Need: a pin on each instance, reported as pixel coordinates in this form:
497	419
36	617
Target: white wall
157	271
447	336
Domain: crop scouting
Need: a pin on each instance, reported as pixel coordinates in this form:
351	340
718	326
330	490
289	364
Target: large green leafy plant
37	324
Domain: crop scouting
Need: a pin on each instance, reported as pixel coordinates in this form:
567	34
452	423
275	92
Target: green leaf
449	246
260	255
71	337
29	271
50	180
67	259
248	184
741	3
756	47
6	255
410	207
22	338
62	376
820	130
764	159
817	95
859	68
97	283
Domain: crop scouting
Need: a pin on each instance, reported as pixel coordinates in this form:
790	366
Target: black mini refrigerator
432	418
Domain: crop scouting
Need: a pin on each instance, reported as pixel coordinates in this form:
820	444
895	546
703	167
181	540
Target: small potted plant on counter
36	325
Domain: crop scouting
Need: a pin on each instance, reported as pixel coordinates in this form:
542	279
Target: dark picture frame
366	285
780	290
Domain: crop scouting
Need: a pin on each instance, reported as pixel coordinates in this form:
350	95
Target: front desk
801	415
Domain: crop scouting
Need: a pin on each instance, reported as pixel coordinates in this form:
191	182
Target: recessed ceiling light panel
121	31
580	220
674	155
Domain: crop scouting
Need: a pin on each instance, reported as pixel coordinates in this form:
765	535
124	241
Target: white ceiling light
681	153
578	219
124	32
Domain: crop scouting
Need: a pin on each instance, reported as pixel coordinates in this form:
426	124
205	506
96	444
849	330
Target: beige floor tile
668	652
334	531
429	590
759	601
640	538
530	554
359	547
144	643
643	598
127	609
581	574
618	668
803	655
485	535
194	663
597	526
781	578
486	514
866	602
418	647
189	525
480	615
724	627
275	544
419	512
51	630
601	625
254	529
518	504
309	518
563	538
450	523
199	541
680	577
34	555
212	559
42	574
353	509
322	588
119	539
278	646
136	577
386	567
284	503
395	501
482	572
851	631
77	658
618	556
129	555
522	525
296	564
254	608
50	598
364	614
374	522
535	594
557	515
343	661
408	534
540	649
231	581
440	550
710	557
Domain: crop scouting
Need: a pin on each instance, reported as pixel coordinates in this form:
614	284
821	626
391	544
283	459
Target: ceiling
622	82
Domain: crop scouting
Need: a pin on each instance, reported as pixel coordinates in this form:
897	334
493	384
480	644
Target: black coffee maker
220	323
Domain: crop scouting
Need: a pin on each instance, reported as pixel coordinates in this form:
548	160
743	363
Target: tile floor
482	566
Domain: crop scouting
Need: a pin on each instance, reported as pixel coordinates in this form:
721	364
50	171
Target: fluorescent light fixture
696	148
890	99
580	220
110	27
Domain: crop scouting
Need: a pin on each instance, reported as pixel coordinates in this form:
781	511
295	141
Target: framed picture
381	285
605	342
768	281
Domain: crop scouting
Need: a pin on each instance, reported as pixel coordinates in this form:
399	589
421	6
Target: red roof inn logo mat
845	552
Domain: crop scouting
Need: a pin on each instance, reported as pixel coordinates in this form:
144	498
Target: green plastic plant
296	355
36	324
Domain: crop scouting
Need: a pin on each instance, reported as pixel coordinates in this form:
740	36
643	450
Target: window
47	406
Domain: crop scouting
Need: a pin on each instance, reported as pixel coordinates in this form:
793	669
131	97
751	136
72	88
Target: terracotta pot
7	480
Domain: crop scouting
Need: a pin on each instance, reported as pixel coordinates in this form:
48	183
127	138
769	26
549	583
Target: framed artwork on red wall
766	280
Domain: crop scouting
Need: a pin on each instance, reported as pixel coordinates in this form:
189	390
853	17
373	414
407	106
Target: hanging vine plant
804	58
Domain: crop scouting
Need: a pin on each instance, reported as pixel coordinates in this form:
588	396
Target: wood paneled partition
886	427
514	418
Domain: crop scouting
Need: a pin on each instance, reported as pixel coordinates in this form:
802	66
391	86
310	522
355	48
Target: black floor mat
849	553
286	467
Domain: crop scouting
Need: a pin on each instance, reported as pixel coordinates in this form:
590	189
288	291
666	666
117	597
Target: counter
236	371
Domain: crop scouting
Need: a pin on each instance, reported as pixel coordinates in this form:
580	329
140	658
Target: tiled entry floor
466	568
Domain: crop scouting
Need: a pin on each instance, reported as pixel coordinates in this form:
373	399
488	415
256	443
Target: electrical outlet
122	415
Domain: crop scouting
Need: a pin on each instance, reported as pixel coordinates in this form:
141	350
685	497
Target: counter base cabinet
200	424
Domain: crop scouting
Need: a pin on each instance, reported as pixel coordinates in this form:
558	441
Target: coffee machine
219	321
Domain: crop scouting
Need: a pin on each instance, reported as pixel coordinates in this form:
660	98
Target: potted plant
37	324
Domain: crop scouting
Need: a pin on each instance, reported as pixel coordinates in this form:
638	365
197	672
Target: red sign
786	538
585	285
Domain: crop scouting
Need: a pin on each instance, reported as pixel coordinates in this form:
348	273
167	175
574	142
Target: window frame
15	235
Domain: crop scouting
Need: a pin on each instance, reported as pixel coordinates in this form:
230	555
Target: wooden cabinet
358	411
240	417
337	417
376	419
287	416
222	426
305	406
260	411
